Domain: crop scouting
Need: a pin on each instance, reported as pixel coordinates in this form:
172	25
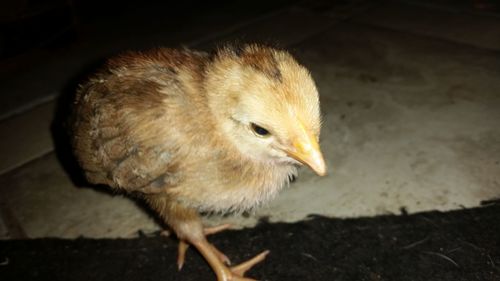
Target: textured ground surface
461	245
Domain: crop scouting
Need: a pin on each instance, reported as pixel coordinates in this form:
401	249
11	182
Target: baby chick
192	132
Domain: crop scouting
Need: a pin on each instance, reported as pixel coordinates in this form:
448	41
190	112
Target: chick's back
135	121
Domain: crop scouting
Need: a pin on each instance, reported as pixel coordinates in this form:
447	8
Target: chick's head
266	104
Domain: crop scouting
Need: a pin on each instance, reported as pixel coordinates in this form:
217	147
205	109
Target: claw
216	229
181	257
243	267
223	258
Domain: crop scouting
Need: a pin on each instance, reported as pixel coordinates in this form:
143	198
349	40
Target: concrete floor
410	95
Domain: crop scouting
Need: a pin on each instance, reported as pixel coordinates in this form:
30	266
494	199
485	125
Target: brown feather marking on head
258	57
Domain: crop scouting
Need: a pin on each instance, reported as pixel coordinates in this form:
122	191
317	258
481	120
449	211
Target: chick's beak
305	149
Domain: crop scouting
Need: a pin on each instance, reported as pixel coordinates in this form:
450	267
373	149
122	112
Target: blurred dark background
49	41
56	23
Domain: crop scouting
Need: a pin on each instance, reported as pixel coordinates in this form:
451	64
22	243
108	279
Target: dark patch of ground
458	245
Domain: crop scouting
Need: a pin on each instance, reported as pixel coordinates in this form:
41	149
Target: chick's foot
223	272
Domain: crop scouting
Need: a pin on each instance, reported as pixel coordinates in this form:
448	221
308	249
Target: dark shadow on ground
59	127
458	245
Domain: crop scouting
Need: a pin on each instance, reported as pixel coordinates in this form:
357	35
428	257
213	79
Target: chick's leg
183	246
189	229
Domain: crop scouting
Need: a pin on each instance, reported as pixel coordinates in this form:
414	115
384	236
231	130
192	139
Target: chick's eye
259	130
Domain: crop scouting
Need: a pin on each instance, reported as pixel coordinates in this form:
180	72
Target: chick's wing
119	123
